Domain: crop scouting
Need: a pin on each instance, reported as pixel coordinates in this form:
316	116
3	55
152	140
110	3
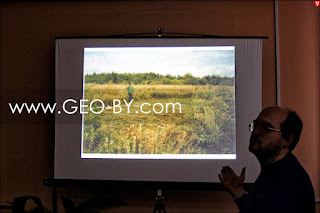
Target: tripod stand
159	206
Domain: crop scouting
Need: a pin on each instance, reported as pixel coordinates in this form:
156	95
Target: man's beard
263	153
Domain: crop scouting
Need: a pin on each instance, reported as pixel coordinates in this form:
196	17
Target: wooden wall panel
27	74
299	76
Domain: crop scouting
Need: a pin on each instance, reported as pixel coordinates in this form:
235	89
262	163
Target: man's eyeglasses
263	126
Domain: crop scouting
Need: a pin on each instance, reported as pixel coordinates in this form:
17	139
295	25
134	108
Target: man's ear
289	141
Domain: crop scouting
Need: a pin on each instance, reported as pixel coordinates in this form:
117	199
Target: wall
299	76
27	74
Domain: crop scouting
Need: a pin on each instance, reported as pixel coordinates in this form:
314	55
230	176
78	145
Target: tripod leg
163	208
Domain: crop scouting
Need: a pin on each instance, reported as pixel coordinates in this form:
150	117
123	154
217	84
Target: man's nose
256	130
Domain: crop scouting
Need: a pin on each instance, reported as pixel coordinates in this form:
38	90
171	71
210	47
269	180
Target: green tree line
157	79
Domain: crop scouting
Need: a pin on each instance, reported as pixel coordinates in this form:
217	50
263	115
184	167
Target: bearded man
283	185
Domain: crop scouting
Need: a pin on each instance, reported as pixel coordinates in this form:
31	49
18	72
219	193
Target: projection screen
155	109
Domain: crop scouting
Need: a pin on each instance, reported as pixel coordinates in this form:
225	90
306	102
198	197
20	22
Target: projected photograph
159	101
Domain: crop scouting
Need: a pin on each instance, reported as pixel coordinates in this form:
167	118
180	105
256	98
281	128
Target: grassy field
206	124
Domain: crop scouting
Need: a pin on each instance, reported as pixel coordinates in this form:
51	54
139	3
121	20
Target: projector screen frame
153	184
148	185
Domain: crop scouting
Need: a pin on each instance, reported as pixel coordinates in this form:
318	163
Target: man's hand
232	182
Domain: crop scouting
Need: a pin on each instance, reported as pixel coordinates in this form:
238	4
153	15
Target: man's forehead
273	115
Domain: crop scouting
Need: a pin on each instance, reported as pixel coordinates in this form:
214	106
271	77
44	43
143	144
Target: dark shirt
283	186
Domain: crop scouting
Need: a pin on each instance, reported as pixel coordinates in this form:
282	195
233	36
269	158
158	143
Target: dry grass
204	126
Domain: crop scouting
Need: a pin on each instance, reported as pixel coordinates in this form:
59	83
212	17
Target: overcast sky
199	61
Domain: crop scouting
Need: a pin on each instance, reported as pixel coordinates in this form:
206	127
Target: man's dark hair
292	126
